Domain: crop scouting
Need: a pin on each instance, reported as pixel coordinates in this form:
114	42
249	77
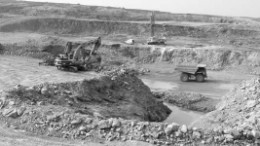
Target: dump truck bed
187	69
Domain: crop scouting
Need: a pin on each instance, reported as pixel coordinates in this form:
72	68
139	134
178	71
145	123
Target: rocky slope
238	113
64	111
215	57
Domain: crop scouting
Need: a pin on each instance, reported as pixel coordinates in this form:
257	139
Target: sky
250	8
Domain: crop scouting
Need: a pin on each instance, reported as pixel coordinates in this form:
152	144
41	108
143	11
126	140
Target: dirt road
163	77
26	71
218	83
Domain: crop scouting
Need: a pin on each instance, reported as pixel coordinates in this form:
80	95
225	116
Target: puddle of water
226	86
181	116
159	85
178	115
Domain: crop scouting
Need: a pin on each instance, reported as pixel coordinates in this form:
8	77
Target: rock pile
122	70
70	125
238	115
57	110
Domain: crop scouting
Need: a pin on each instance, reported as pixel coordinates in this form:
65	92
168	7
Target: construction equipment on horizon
154	40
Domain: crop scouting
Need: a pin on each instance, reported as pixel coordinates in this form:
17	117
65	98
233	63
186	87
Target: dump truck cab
198	73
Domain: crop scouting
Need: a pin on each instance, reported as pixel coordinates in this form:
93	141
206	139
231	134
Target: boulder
116	123
171	128
184	129
130	42
44	90
196	135
18	87
20	111
256	134
251	103
53	118
83	128
103	124
229	138
13	113
237	134
75	122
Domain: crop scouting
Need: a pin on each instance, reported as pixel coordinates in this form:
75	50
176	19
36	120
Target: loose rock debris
64	110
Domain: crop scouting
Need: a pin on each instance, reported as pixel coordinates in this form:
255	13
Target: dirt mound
46	48
83	110
238	112
53	49
121	95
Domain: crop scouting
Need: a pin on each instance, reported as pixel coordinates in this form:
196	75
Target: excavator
81	58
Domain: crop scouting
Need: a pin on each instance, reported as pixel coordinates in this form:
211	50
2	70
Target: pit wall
34	9
98	27
215	57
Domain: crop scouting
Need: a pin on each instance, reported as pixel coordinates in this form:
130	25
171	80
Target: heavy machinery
198	73
78	57
154	40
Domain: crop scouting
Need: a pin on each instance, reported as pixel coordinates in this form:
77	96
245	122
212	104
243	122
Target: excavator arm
87	57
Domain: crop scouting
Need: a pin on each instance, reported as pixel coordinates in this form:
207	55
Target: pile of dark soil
186	100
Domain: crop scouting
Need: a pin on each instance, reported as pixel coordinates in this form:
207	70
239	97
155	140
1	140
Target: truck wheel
200	78
184	77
